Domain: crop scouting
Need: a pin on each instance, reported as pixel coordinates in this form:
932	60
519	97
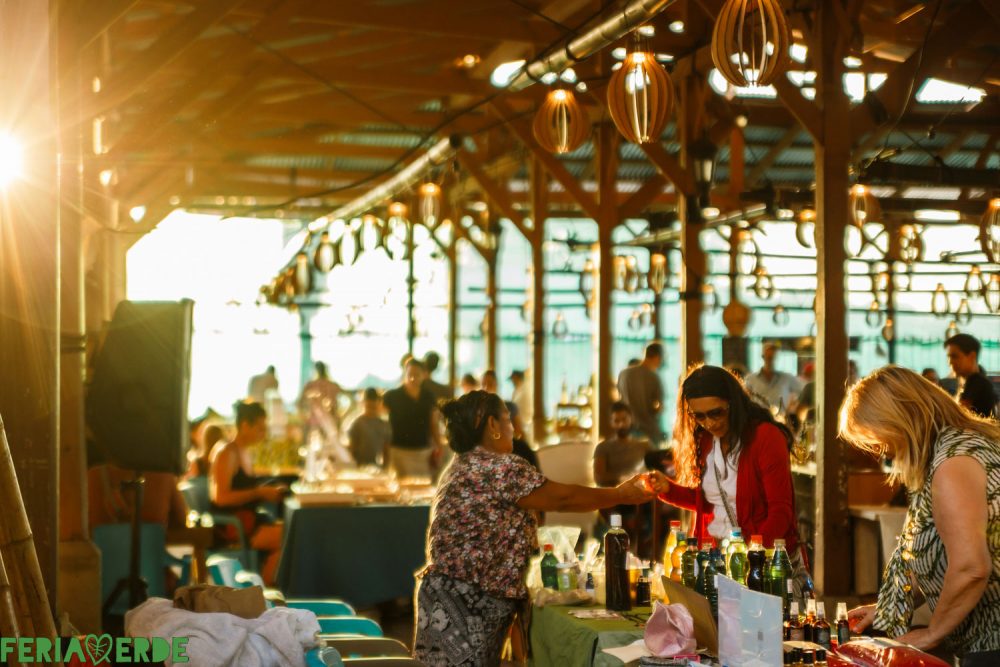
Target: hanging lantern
658	274
780	316
289	283
952	330
635	321
646	315
397	209
864	206
302	274
991	294
327	254
974	282
911	244
631	274
736	317
989	231
889	330
763	284
640	97
940	304
370	234
963	314
559	328
430	203
348	243
619	272
560	125
750	42
587	281
711	297
874	316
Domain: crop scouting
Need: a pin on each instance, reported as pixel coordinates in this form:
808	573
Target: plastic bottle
755	564
843	627
719	561
737	560
689	563
673	539
550	576
566	574
822	627
676	558
711	591
616	566
781	572
704	557
795	632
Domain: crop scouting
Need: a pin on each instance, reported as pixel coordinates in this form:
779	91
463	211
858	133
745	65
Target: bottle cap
811	606
549	547
841	610
692	541
616	520
675	524
793	608
821	608
779	543
759	539
736	533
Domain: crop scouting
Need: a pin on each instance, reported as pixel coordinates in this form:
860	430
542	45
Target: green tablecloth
561	640
365	554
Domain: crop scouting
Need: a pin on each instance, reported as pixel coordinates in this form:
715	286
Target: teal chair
195	492
323	607
114	541
367	647
348	625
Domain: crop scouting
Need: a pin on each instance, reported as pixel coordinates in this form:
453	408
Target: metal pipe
610	30
404	178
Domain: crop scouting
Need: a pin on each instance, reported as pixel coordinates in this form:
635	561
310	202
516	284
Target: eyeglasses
715	414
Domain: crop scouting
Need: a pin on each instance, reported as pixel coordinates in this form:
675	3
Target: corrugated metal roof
796	157
290	161
381	139
362	163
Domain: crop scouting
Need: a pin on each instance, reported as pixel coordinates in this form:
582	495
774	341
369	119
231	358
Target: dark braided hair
466	418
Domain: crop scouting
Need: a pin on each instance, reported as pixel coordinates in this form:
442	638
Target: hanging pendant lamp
560	125
750	42
640	97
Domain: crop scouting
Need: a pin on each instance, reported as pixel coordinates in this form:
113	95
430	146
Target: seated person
232	485
201	450
369	434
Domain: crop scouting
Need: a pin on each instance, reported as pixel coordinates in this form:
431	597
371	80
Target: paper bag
242	602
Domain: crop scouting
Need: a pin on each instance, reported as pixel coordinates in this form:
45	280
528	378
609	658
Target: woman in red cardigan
732	464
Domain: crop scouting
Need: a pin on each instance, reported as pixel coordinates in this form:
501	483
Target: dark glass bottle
704	558
822	627
843	627
711	591
689	563
616	566
755	564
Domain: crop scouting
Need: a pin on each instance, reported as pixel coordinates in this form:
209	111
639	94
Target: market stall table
558	638
364	554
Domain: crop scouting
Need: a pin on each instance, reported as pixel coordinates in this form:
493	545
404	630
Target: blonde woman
949	460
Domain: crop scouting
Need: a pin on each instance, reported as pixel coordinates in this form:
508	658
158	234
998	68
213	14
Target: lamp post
703	153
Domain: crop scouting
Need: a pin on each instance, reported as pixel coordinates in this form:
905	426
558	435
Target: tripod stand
136	586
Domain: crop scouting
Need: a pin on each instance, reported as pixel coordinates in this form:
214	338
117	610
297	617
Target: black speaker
138	398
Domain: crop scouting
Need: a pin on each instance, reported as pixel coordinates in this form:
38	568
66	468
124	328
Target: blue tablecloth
364	555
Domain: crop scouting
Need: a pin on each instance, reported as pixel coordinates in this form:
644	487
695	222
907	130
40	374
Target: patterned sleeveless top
921	553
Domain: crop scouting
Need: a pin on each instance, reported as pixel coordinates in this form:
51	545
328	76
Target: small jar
566	573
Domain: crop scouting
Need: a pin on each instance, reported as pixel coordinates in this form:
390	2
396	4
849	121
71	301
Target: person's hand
860	618
659	482
272	494
635	490
921	639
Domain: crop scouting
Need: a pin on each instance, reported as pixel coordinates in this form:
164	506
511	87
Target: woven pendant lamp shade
640	98
742	33
560	125
864	206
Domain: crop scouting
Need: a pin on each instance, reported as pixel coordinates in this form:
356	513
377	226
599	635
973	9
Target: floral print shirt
477	533
921	554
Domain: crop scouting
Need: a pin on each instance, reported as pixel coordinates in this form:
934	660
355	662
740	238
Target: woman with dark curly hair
732	464
482	533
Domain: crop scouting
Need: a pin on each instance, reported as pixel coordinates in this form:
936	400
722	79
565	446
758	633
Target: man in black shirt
416	447
975	391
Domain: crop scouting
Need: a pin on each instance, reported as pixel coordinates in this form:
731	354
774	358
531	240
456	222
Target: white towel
280	636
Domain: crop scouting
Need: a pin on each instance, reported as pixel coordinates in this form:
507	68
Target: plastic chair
348	625
114	541
322	607
195	492
358	647
389	661
569	463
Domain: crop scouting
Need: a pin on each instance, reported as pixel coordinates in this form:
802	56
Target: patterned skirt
459	624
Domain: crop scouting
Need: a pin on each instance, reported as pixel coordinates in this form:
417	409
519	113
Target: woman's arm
555	497
960	515
771	456
221	483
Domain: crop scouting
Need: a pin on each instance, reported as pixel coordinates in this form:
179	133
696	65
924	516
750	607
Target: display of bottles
780	572
822	627
719	561
795	632
843	627
737	559
704	557
809	621
550	565
616	566
755	564
689	563
676	559
673	539
711	590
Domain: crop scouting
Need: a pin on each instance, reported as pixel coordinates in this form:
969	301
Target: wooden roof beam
495	192
90	19
669	167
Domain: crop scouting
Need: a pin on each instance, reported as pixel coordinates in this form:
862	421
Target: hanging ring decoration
963	314
989	231
806	238
974	282
940	303
952	330
780	316
559	328
911	244
991	294
889	330
874	316
763	284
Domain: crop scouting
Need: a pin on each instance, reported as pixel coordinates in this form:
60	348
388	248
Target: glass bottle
795	632
809	623
676	558
737	558
755	564
673	539
711	590
549	564
719	561
689	563
616	566
822	627
704	558
781	572
843	627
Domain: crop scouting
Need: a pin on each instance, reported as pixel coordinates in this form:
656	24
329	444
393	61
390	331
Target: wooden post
607	220
491	309
833	149
411	285
688	125
29	301
452	255
539	212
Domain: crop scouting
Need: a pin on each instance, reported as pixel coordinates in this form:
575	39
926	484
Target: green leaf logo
98	647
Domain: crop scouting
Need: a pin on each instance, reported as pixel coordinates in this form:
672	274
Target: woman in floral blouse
949	460
482	534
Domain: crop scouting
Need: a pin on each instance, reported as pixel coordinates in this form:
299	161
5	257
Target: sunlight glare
11	159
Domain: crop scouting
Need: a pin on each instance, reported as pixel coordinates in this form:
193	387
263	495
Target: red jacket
765	498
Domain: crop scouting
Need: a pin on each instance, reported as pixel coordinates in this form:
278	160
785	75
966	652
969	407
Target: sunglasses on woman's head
711	415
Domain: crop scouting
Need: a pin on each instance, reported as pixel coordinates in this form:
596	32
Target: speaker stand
136	586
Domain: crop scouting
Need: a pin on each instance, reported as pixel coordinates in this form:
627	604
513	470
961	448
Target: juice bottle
673	539
737	560
676	558
755	564
689	563
549	564
822	627
616	566
843	627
